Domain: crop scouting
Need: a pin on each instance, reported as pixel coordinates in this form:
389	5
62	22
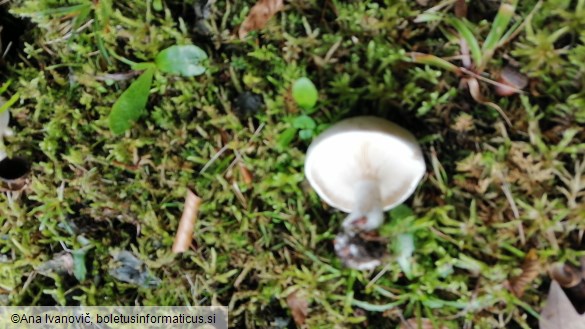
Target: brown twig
184	234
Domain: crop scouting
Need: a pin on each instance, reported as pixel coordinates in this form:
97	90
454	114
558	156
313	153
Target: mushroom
364	166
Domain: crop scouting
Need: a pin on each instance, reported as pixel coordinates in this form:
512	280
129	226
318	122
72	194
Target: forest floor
503	178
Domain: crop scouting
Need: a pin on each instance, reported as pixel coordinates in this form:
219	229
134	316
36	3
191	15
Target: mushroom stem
367	213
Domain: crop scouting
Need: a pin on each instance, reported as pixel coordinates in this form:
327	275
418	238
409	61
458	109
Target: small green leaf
79	269
157	5
305	93
404	247
182	60
305	134
130	106
304	122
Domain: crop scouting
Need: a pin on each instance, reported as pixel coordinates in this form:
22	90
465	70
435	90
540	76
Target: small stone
248	103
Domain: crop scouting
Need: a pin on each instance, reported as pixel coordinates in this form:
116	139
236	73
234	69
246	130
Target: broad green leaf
130	106
182	60
305	93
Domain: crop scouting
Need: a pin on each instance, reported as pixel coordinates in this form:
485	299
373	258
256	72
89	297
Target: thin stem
367	212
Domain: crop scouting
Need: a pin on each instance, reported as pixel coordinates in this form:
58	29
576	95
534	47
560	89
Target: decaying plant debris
493	190
184	233
259	16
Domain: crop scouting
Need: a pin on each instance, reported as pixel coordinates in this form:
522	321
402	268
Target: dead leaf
259	15
184	234
559	312
530	270
511	81
246	175
530	171
299	306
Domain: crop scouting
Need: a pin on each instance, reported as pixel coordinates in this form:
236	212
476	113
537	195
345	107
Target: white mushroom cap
364	149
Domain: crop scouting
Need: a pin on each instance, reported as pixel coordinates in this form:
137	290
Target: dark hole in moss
13	168
12	31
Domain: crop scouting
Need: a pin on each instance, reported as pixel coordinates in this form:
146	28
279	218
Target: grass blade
427	59
469	38
9	102
499	26
65	10
5	86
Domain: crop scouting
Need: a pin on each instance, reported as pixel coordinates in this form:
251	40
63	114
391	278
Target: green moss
255	243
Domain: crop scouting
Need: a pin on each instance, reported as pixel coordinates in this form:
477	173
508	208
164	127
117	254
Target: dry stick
184	234
213	158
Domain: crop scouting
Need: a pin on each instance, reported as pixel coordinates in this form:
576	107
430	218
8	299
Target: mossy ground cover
492	192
